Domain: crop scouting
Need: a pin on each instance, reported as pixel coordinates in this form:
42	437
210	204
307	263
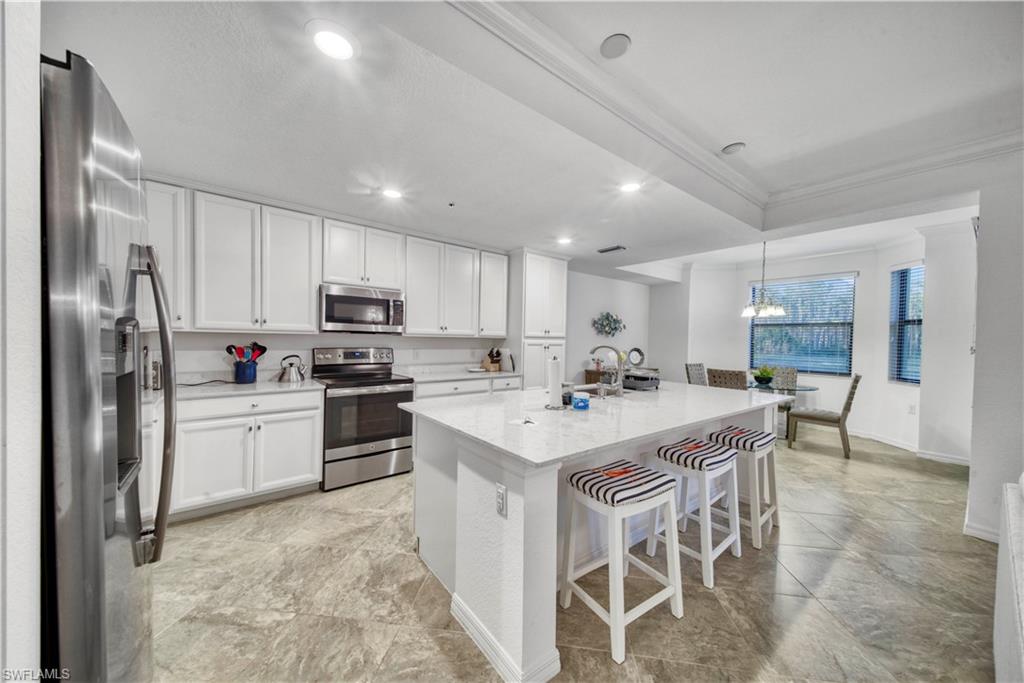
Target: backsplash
203	352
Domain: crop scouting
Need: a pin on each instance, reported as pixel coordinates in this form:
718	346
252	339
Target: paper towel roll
555	382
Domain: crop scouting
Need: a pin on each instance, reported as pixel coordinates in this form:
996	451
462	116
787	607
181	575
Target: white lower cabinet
467	386
152	459
224	457
288	450
536	354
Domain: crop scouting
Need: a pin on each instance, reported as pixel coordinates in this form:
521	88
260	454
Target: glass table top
790	389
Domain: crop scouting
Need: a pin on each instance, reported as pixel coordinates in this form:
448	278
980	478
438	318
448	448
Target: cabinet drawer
467	386
507	384
202	408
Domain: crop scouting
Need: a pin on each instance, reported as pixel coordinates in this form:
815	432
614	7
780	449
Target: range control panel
353	356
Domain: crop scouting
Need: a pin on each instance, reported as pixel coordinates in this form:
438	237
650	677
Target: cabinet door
554	350
290	270
535	295
556	289
168	218
461	288
385	259
423	278
534	364
493	294
227	263
213	462
289	450
343	252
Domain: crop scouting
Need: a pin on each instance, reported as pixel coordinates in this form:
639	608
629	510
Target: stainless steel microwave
361	309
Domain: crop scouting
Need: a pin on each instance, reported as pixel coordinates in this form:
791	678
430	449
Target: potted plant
764	374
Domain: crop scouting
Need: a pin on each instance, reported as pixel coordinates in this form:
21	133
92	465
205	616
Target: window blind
906	321
815	335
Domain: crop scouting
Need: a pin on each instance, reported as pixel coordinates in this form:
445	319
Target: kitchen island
490	490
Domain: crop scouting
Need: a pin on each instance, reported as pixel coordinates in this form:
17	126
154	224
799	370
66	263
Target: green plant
765	371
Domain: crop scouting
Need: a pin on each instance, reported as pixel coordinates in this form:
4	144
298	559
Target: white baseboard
496	654
912	447
945	457
985	533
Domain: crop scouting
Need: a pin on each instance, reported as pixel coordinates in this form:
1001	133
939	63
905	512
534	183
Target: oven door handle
362	391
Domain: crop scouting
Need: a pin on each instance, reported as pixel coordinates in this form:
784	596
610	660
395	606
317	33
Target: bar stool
756	447
706	462
620	490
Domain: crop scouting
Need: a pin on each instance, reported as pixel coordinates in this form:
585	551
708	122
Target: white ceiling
446	109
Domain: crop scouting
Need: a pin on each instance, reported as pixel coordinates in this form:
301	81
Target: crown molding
982	148
531	38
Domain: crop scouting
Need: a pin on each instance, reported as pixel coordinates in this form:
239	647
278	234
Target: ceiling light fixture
565	240
615	45
629	187
391	194
734	148
763	307
333	40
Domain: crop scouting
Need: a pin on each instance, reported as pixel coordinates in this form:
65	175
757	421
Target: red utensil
257	350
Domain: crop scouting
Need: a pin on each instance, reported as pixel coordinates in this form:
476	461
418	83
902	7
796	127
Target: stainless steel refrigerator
97	594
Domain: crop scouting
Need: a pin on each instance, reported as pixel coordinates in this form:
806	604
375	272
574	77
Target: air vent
608	250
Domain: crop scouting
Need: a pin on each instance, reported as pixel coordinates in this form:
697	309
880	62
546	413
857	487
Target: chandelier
763	307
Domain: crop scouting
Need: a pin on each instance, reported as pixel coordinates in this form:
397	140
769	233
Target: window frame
850	325
895	367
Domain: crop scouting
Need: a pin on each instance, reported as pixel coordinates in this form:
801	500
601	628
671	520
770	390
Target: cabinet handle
455	388
177	317
255	405
264	321
259	427
250	428
255	321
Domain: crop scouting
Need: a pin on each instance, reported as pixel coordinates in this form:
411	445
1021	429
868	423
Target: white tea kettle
294	371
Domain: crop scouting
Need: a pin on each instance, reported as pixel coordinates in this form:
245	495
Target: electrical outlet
912	409
501	499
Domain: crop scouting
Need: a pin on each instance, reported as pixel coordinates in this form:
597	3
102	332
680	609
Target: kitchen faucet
616	385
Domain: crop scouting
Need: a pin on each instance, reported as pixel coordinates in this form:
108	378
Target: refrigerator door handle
150	266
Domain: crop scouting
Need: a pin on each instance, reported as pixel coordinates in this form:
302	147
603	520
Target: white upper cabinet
493	294
343	252
385	259
227	263
170	232
354	255
544	283
461	289
290	270
424	261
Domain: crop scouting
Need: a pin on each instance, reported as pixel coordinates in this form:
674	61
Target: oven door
362	420
361	309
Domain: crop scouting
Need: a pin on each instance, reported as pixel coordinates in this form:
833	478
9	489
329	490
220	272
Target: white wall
947	364
591	295
669	337
717	335
20	401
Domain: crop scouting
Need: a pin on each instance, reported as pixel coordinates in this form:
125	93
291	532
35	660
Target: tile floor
868	578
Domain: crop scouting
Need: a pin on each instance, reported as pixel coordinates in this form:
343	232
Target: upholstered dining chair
696	374
827	418
727	379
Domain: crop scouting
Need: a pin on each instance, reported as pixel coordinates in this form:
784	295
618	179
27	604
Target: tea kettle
292	372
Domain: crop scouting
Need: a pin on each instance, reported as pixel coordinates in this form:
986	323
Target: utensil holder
245	372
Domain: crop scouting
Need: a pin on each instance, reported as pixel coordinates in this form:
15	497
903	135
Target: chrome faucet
616	385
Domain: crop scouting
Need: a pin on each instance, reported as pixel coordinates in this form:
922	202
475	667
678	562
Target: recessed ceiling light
734	147
391	194
629	187
333	40
565	240
615	45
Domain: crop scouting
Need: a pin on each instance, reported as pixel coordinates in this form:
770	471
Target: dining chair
696	374
727	379
827	418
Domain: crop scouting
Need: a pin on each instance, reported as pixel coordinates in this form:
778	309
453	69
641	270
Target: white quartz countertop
261	386
497	420
455	375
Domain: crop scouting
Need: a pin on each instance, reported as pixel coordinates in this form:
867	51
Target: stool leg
652	532
755	501
672	550
616	589
625	547
764	477
707	563
734	511
771	485
569	544
684	500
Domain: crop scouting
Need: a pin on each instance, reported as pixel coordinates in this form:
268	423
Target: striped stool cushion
742	438
621	482
697	454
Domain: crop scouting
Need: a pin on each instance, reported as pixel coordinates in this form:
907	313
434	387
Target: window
815	335
906	314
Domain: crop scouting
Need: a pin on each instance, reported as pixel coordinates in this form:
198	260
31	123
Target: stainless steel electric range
366	436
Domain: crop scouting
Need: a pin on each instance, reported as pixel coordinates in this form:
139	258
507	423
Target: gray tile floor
868	578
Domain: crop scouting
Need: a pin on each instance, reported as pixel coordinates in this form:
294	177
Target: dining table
783	429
